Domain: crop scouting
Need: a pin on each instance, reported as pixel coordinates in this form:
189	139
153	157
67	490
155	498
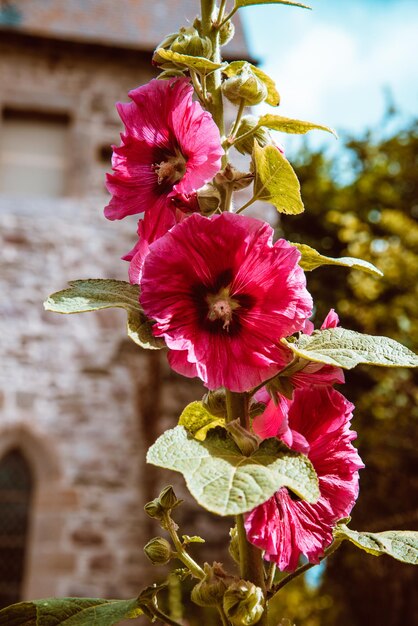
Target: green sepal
399	544
288	125
311	259
346	348
234	68
97	293
224	481
198	64
192	539
198	421
69	612
249	3
276	181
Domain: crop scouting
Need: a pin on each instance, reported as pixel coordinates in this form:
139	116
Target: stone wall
80	400
83	403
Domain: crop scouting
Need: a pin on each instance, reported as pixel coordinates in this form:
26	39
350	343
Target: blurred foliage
375	217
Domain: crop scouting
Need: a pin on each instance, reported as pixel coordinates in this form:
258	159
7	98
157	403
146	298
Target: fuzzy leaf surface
198	421
249	3
234	68
95	294
224	481
288	125
198	64
311	259
347	348
69	612
275	180
399	544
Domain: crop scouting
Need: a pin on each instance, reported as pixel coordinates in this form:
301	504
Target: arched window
15	501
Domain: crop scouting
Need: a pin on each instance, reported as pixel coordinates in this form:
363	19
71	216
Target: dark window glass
15	501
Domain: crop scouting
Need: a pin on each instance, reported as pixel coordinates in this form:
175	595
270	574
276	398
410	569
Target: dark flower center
171	170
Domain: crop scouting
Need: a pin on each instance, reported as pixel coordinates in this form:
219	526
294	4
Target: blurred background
79	403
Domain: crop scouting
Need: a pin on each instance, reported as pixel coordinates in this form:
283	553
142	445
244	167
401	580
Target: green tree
374	216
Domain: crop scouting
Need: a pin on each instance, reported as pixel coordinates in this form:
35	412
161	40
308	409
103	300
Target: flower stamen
221	307
172	170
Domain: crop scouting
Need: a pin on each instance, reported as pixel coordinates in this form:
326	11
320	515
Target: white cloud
332	66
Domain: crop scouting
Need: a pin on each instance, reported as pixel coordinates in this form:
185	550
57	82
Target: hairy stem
190	563
213	81
251	561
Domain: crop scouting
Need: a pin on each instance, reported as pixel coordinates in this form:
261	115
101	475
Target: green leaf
234	68
224	481
249	3
287	125
275	180
311	259
347	348
400	544
198	421
198	64
96	294
69	612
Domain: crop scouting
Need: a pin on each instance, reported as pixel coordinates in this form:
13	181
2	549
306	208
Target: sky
333	65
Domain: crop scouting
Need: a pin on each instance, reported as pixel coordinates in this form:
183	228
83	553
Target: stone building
79	403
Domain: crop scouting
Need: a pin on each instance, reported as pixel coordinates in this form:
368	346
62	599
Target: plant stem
228	17
237	120
249	203
190	563
197	86
162	616
271	575
232	141
304	568
228	198
221	13
251	561
213	81
224	618
237	408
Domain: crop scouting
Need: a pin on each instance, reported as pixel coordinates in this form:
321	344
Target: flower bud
190	42
208	198
226	33
210	590
261	135
158	550
168	498
243	603
215	402
167	41
231	176
246	441
246	86
166	501
154	509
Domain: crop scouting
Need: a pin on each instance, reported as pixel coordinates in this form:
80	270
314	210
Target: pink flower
154	225
223	296
171	146
317	423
